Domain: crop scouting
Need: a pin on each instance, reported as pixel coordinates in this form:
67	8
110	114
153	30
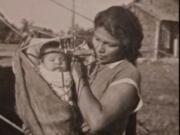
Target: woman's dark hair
123	25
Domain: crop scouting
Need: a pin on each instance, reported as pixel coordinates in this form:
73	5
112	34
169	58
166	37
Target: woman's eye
112	45
97	39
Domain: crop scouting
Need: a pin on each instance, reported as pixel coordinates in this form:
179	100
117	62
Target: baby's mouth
57	68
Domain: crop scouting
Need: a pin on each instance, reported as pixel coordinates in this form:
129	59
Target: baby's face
54	62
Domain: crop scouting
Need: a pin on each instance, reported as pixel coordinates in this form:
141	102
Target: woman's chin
101	61
57	69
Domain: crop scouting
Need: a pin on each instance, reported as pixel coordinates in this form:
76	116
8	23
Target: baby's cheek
64	65
68	80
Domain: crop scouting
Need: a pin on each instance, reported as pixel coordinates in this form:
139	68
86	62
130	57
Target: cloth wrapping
37	105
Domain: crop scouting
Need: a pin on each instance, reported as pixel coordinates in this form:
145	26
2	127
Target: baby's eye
61	59
52	60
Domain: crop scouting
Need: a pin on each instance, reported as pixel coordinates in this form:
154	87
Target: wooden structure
161	30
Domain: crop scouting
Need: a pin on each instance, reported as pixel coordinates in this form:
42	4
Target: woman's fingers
84	124
27	131
83	52
76	71
76	67
85	127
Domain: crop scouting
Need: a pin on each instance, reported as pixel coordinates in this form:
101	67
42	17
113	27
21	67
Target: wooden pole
157	39
11	124
73	22
73	14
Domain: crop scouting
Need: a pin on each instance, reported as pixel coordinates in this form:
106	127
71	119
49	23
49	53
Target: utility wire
71	10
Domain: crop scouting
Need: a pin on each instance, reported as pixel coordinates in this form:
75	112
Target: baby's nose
57	61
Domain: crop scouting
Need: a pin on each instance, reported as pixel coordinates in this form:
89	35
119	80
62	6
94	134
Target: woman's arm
117	102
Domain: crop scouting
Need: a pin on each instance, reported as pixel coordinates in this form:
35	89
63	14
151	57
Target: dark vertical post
73	23
157	38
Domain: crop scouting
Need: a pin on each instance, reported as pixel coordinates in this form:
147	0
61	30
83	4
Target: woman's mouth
100	58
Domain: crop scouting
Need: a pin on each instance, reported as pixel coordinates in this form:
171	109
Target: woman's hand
78	73
85	127
26	130
77	70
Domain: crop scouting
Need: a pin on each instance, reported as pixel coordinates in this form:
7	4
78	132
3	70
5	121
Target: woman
111	96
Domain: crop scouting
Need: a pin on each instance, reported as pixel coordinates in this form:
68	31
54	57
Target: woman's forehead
104	35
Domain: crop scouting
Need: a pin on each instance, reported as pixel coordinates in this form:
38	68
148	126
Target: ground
160	92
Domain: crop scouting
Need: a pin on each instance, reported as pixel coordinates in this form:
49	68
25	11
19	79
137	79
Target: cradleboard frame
37	105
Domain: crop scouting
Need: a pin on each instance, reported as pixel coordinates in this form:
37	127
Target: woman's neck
119	59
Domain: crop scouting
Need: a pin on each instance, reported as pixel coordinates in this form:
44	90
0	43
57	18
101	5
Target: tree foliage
7	35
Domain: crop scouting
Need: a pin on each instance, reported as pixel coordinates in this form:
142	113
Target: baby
53	68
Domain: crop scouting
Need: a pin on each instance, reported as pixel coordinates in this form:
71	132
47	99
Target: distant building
160	22
41	32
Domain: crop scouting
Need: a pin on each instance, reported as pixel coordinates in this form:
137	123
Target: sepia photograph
89	67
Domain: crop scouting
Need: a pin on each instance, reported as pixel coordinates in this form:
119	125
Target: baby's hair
52	44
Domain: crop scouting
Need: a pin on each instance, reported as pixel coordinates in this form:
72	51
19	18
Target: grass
160	92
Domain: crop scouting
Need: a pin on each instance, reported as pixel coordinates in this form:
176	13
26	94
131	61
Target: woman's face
107	48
